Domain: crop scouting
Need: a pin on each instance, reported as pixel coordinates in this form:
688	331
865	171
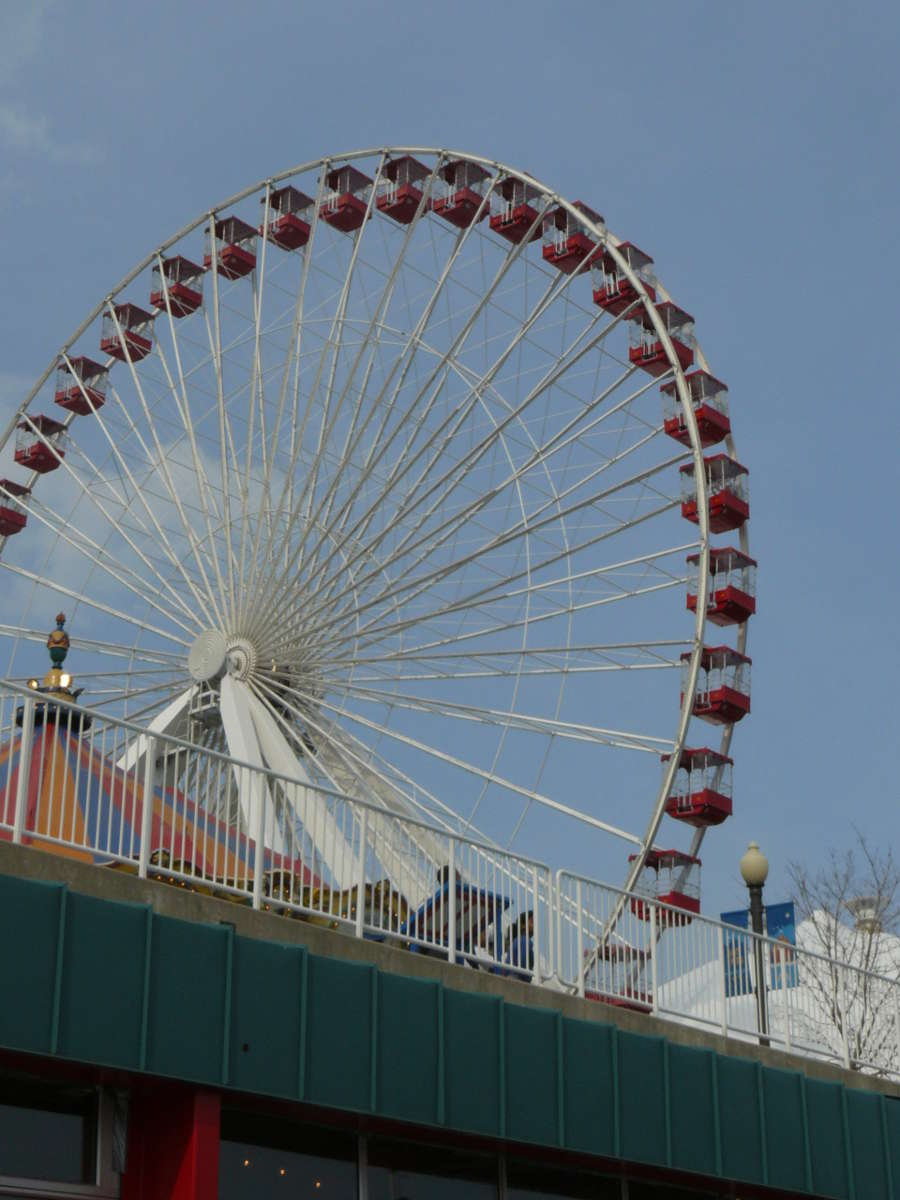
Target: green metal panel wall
114	984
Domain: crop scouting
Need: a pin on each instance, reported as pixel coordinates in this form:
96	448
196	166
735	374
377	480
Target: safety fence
111	793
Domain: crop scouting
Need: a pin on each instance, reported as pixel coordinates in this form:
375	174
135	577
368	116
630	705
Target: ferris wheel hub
241	658
207	656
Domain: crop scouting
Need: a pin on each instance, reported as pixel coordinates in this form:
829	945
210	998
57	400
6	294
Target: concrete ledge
173	901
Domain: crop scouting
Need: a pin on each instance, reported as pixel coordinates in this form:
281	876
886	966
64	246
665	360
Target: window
532	1181
263	1157
413	1171
47	1132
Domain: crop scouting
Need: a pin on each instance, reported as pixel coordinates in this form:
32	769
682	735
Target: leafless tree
850	909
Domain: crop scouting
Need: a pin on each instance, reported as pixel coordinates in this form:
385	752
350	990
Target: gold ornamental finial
57	680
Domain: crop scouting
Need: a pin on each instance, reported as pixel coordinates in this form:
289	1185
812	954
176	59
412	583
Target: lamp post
755	869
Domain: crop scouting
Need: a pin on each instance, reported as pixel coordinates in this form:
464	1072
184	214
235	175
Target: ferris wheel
397	473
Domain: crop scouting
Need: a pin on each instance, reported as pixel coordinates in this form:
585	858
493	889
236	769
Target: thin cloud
31	133
22	34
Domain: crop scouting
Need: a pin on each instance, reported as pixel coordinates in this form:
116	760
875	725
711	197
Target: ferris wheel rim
602	236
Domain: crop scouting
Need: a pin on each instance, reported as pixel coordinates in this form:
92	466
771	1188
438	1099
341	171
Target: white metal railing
705	973
76	780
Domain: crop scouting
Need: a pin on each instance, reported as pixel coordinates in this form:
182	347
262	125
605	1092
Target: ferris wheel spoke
480	501
394	799
103	560
373	335
117	695
410	589
165	660
552	291
522	622
135	493
476	772
545	726
205	494
226	446
406	358
330	354
81	598
58	524
436	444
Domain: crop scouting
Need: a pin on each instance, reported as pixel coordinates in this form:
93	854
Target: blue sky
751	149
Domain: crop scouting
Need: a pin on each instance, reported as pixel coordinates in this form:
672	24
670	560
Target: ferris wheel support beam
243	744
326	837
348	773
172	720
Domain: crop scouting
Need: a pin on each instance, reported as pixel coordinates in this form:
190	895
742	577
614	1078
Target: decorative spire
58	642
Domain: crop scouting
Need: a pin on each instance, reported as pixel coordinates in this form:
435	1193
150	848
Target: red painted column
173	1146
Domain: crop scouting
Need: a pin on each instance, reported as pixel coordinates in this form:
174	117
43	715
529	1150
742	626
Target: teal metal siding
472	1028
824	1114
692	1104
114	984
590	1089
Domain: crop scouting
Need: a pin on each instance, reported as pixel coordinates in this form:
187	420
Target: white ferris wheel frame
602	236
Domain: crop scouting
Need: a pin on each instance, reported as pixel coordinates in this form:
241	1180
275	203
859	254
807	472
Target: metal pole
361	874
536	943
756	922
23	779
579	939
259	850
451	898
147	807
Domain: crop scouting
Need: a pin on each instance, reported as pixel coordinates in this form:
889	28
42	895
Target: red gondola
465	185
290	214
723	687
235	248
514	212
40	444
709	400
347	201
13	517
399	190
566	245
184	281
646	350
701	792
727	492
613	290
136	327
732	585
81	385
671	877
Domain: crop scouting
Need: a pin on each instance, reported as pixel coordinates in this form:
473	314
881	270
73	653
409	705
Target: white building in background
848	1011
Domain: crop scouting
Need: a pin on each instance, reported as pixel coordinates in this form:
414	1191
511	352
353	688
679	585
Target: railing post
653	967
781	957
579	938
259	850
536	941
559	942
845	1041
451	902
551	932
24	775
361	873
723	975
147	807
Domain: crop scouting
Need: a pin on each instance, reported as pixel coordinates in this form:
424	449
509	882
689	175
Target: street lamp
755	869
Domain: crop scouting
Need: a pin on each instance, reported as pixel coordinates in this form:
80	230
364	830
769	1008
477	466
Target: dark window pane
528	1181
47	1132
263	1157
412	1171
